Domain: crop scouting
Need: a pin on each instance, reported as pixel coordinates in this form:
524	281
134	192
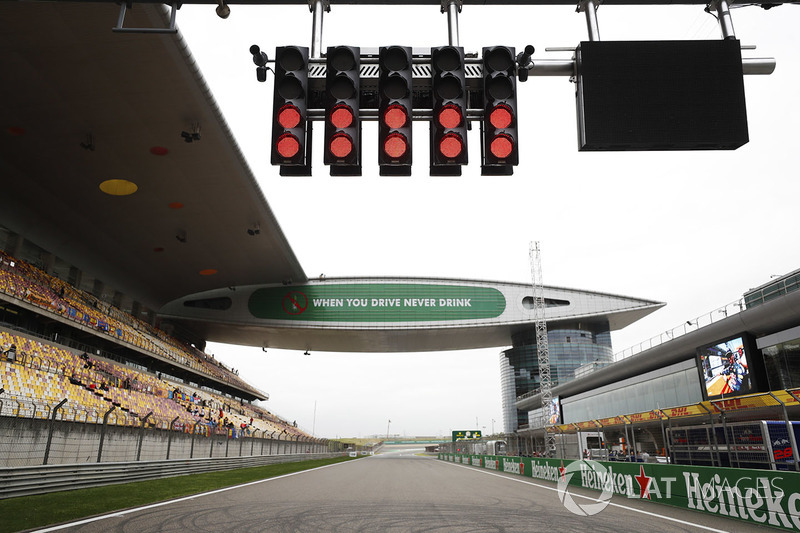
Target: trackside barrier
756	496
29	480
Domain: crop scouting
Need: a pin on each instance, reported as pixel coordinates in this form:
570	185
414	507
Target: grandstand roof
70	81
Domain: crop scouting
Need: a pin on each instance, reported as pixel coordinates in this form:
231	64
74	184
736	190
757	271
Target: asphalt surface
398	492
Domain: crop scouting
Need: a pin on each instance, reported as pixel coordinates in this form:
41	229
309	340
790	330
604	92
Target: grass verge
27	512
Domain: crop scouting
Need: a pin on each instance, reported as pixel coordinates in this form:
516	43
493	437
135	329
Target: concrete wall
24	442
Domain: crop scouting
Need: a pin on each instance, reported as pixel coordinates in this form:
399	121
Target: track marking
119	514
669	518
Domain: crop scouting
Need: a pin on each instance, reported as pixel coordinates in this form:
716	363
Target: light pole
387	429
492	426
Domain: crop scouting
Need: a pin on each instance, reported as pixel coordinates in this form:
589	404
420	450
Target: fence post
253	441
141	435
790	430
52	428
169	438
103	433
664	434
191	448
713	433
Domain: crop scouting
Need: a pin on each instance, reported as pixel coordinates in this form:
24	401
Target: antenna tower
542	349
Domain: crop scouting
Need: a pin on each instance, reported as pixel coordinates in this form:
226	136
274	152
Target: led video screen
725	369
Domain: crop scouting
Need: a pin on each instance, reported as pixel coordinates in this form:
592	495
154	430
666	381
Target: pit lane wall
758	496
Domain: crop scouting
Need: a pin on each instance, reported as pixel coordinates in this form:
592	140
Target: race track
397	492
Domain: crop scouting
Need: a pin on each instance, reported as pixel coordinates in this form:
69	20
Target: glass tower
571	345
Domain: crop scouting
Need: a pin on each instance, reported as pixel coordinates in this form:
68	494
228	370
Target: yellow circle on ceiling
118	187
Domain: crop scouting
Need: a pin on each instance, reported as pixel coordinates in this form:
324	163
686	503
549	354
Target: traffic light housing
290	142
394	110
499	139
342	123
448	130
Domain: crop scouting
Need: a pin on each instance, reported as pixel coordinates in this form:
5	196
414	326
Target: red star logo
644	483
561	469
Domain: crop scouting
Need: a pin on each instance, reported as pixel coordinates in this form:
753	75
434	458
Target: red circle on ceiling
450	116
208	272
341	145
502	146
175	205
159	150
158	249
16	131
395	145
288	145
451	145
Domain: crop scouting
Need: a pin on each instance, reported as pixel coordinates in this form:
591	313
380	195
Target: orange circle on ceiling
175	205
208	272
117	187
16	131
159	150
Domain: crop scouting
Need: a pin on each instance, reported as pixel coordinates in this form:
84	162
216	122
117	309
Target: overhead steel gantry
526	65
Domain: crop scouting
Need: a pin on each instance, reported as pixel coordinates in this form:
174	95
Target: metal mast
541	346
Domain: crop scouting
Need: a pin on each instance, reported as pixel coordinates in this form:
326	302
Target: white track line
118	514
683	522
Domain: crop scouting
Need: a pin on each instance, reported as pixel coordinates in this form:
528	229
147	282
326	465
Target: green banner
759	496
377	302
466	434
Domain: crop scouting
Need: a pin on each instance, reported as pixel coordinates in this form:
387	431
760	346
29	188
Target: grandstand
103	366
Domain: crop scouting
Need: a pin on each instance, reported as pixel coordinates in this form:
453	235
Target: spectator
11	353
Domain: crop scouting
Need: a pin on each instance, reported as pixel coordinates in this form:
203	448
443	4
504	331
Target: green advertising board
376	302
466	434
765	497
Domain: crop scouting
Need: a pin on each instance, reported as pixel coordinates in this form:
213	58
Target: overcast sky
692	229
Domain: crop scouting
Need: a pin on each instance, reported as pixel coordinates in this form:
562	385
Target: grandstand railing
687	327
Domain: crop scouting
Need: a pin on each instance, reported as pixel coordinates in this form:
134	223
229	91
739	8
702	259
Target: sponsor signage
611	421
758	496
466	434
376	302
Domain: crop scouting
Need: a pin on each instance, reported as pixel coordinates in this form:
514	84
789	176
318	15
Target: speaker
660	95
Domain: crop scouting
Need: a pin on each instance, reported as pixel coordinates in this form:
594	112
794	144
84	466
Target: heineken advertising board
377	302
767	497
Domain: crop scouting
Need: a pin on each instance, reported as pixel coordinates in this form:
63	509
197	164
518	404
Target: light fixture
306	353
223	10
255	230
193	136
89	144
181	236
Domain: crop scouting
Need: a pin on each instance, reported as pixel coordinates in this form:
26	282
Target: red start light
341	117
502	146
341	145
451	145
450	116
395	145
500	117
395	116
289	116
288	146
